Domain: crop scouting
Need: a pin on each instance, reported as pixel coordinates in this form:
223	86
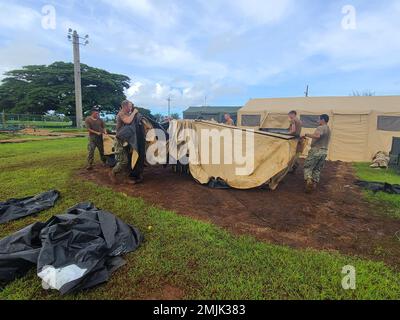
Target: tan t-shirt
230	122
325	137
298	124
94	124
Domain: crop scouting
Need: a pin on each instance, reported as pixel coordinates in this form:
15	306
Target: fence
10	121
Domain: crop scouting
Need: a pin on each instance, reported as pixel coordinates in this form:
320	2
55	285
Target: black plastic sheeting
73	251
14	209
379	187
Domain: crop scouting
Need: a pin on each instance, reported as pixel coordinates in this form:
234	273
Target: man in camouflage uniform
96	129
125	117
318	153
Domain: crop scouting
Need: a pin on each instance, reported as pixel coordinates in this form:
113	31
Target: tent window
251	120
310	121
388	123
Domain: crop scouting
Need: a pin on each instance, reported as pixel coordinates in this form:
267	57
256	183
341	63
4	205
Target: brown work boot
309	186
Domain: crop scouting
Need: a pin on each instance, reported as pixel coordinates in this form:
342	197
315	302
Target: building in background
209	113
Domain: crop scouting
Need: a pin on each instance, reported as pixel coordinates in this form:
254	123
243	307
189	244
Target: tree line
38	89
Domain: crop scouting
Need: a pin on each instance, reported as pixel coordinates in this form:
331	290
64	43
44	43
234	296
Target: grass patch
201	259
9	136
390	201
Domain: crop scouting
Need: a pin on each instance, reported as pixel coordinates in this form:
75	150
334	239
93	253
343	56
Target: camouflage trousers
122	158
95	142
314	164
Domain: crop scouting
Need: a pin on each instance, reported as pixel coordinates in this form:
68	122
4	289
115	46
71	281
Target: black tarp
14	209
134	135
379	186
73	251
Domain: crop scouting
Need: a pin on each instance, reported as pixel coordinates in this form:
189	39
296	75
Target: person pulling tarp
14	209
72	251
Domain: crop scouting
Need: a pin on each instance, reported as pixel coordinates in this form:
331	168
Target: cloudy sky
226	50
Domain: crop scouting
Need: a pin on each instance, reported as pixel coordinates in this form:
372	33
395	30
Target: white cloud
147	93
18	17
373	44
15	55
262	11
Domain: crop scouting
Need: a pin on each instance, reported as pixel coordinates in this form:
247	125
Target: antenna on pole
307	91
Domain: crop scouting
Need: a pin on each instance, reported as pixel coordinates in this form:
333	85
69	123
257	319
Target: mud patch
167	292
336	217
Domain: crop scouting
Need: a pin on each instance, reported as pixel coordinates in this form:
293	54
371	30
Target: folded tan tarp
243	159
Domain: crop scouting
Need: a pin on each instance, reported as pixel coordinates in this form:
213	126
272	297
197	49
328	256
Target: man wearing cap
96	129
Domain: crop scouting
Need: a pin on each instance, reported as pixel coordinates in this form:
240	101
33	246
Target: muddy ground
336	217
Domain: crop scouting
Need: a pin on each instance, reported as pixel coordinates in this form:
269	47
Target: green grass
391	201
9	136
201	259
40	124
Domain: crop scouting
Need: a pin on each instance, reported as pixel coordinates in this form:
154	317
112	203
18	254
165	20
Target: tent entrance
349	138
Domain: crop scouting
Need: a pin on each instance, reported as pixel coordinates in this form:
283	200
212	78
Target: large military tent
361	125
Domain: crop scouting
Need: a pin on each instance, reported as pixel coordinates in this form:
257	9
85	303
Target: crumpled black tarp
379	186
73	251
14	209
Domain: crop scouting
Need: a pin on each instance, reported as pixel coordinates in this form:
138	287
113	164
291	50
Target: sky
219	52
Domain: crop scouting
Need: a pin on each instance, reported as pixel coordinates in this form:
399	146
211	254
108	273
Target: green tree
175	116
39	88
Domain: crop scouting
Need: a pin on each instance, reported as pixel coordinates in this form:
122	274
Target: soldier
96	129
295	130
228	120
295	124
125	117
318	153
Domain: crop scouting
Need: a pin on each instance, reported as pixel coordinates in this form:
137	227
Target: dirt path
334	218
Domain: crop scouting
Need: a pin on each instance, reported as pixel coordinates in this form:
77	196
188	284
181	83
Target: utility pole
306	92
73	36
205	101
169	106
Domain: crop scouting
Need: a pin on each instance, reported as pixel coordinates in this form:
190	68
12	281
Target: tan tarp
354	121
268	162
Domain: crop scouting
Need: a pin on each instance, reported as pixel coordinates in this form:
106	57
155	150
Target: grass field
201	260
41	124
390	201
9	136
